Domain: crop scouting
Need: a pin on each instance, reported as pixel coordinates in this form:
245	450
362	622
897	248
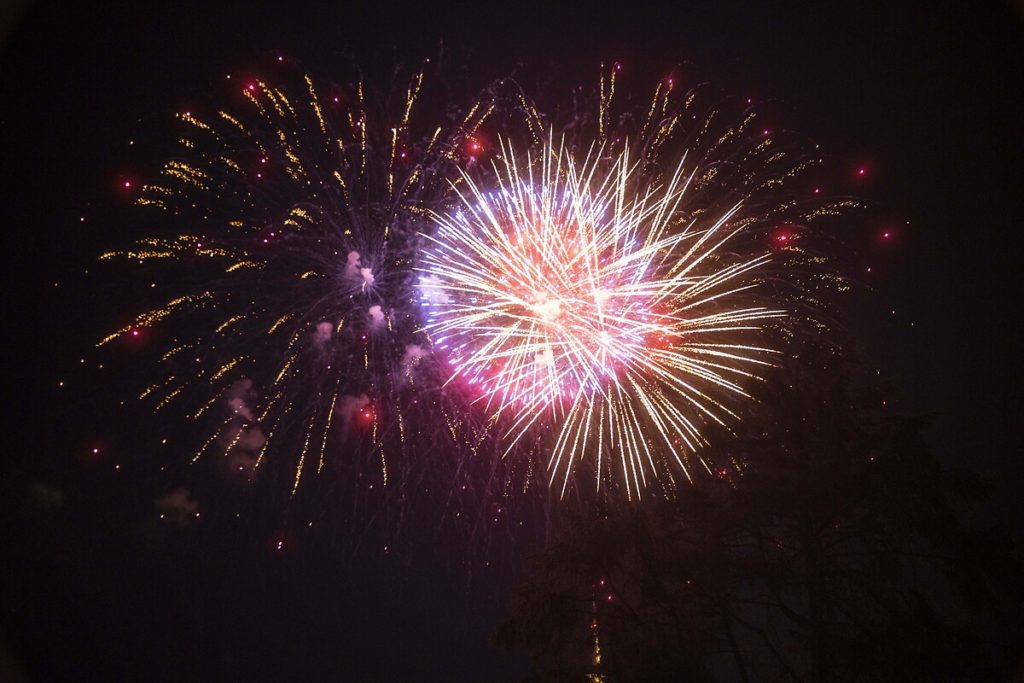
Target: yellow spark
224	369
280	321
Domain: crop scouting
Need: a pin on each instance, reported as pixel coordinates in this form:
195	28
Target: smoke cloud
323	333
376	317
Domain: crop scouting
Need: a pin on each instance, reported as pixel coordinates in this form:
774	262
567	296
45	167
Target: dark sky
924	95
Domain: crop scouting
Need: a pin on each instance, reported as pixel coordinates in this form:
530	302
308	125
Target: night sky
925	97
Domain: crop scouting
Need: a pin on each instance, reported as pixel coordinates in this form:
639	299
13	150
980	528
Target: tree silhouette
833	547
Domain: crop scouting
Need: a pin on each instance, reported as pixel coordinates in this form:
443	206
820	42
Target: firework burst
286	265
610	304
582	301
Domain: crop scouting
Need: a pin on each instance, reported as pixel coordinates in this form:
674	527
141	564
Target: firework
291	220
605	303
574	298
339	279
